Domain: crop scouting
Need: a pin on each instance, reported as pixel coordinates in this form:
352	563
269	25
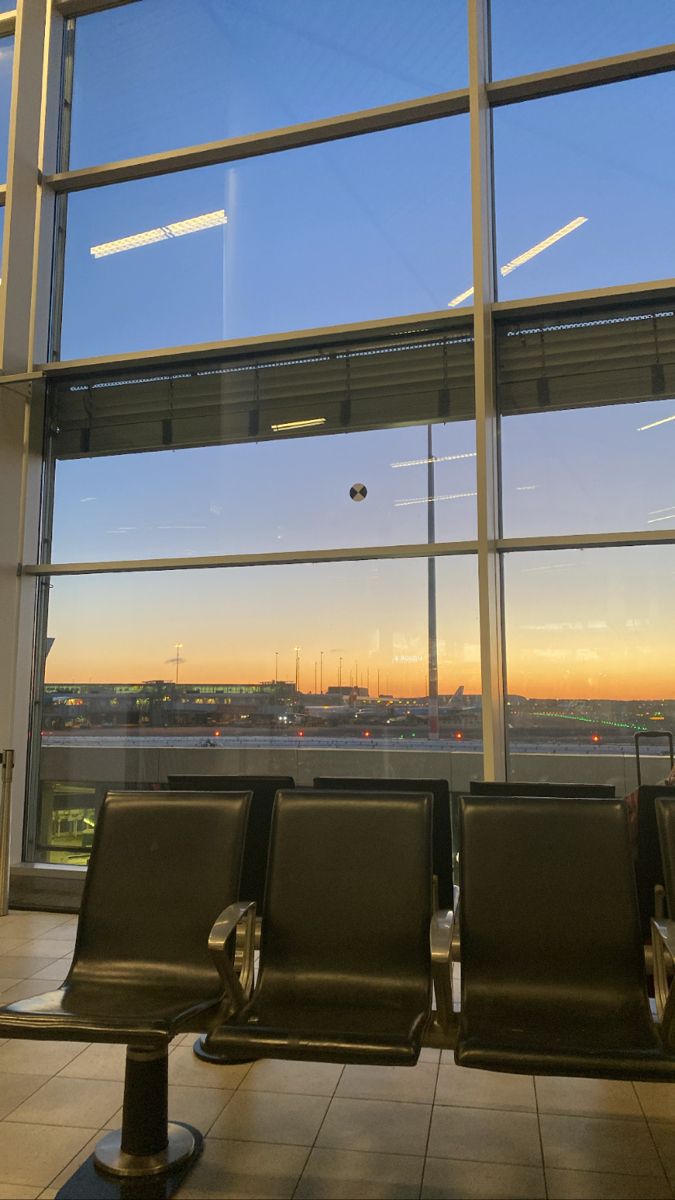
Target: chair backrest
348	899
264	789
648	859
549	910
442	837
664	805
481	787
162	868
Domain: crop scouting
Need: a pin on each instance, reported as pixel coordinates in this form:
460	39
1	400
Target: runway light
366	733
301	733
595	737
459	736
217	733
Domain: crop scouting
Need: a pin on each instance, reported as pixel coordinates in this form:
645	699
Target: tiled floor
308	1130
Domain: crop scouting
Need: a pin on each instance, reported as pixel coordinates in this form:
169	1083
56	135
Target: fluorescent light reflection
298	424
161	233
433	499
527	255
421	462
653	424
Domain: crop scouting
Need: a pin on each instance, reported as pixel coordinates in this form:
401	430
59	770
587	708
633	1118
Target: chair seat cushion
598	1044
325	1033
106	1013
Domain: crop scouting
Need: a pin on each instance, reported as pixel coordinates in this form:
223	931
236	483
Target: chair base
90	1182
200	1049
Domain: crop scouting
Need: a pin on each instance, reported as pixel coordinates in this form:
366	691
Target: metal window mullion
271	141
487	467
271	559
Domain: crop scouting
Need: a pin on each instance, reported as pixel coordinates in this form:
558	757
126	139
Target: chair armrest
440	937
663	949
237	985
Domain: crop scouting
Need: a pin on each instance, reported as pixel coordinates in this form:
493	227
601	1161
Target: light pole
431	568
297	669
179	647
321	671
276	666
340	672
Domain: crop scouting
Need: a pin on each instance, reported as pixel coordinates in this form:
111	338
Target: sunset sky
362	229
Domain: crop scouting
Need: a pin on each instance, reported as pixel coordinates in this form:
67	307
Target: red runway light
595	737
459	735
301	733
366	733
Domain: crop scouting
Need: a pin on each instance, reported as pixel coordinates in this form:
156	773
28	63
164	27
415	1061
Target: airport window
6	64
589	648
529	36
370	227
283	665
583	189
281	465
586	412
150	77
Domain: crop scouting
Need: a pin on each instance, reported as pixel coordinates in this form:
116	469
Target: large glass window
256	669
583	189
588	422
350	231
271	496
6	65
590	647
156	76
533	36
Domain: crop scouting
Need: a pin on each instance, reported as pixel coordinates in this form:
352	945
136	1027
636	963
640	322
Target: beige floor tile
449	1179
7	983
271	1117
33	1154
14	1089
244	1169
429	1055
343	1174
47	946
48	1194
24	965
98	1061
11	945
375	1126
12	1191
592	1185
597	1144
66	932
485	1136
30	924
63	1101
415	1085
76	1161
186	1070
197	1106
55	972
24	1056
26	988
657	1100
663	1133
587	1097
305	1078
469	1088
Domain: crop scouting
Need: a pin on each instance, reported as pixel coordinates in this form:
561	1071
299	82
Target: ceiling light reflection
653	424
161	233
433	499
436	458
298	424
527	255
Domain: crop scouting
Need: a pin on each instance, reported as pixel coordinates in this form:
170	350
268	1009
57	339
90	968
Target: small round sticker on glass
358	491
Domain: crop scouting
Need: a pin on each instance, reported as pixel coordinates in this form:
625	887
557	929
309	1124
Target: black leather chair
264	789
648	861
442	837
162	869
663	928
482	787
345	969
553	982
